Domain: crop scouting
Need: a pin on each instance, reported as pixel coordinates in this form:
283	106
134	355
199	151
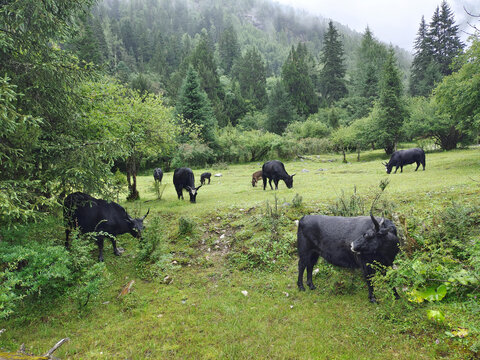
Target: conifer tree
370	58
228	48
443	34
251	73
297	81
332	75
193	105
280	110
392	110
424	71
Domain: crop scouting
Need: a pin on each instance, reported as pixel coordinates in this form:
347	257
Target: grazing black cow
205	175
183	179
256	177
108	219
275	170
350	242
404	157
158	174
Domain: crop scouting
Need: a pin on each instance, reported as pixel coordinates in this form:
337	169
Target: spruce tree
424	72
228	49
444	39
392	110
370	58
251	73
193	105
332	75
297	81
280	110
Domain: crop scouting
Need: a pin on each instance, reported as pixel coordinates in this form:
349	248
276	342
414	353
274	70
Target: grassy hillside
190	303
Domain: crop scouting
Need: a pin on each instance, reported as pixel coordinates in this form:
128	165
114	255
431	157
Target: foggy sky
393	22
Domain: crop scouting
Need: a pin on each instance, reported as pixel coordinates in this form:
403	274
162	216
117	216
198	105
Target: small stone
245	292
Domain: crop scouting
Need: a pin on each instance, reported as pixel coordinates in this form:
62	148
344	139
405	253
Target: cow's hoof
301	288
373	300
312	287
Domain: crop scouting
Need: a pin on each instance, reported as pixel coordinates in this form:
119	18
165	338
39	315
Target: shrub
153	257
186	226
37	271
193	154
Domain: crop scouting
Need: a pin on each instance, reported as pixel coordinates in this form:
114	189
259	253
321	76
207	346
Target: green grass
202	313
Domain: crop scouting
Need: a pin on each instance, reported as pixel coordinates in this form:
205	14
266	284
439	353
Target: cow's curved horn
198	187
381	222
292	175
146	214
375	222
384	163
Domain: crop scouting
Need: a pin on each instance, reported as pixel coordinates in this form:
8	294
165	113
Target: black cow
275	170
108	219
158	174
350	242
404	157
205	175
183	179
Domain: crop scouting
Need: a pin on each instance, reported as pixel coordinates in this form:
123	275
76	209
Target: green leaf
436	316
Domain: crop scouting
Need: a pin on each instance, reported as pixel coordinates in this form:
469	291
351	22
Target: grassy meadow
208	303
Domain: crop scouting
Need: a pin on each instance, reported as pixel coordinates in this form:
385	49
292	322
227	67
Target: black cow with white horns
404	157
275	170
350	242
183	178
106	218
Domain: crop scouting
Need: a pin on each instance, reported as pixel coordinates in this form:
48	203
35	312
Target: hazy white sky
394	22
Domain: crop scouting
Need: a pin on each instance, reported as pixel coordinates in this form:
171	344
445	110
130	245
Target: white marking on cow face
351	248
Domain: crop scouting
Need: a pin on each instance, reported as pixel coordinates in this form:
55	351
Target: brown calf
256	176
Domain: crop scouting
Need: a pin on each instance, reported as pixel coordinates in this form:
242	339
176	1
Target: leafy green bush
153	258
186	226
444	266
193	154
36	271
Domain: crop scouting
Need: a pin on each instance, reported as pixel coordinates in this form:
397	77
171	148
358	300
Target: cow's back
331	236
274	167
183	177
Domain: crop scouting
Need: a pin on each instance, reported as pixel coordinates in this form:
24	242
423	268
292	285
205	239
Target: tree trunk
132	179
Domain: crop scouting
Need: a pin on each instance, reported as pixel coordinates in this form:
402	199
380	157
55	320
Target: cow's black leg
208	181
418	165
313	258
100	248
401	169
396	170
270	183
264	183
67	233
395	293
276	183
301	269
368	272
115	249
